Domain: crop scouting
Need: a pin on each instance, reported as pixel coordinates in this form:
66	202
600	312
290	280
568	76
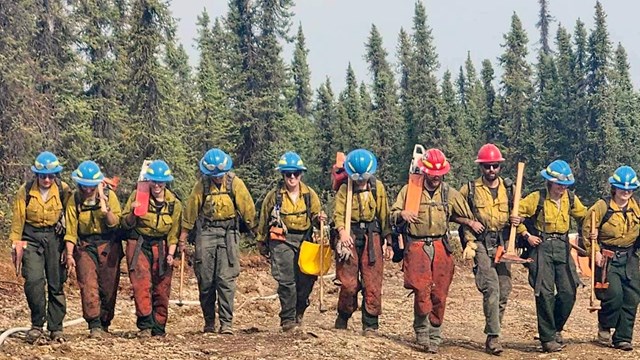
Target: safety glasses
365	176
213	167
158	183
560	176
491	166
46	176
49	166
292	174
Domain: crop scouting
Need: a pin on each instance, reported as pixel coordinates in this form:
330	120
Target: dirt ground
258	336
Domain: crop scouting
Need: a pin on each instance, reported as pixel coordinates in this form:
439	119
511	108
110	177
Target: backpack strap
29	185
471	195
307	203
608	214
27	189
445	201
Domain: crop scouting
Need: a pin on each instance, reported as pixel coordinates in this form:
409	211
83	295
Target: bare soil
258	335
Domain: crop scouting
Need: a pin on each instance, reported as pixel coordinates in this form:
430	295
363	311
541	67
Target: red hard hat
434	163
489	153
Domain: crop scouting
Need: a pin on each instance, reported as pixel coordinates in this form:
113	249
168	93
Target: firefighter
428	265
359	264
151	248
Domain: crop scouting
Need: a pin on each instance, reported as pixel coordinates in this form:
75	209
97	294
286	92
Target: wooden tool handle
593	256
181	275
321	264
348	204
511	250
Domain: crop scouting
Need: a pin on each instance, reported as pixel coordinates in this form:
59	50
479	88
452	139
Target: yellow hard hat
309	259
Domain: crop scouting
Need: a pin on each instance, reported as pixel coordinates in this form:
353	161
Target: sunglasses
357	177
289	174
491	166
157	183
46	176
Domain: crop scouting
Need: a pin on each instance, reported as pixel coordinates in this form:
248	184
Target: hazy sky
336	30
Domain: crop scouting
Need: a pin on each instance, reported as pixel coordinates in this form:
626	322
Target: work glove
263	249
470	251
343	251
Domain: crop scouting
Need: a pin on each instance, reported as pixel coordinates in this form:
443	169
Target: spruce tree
387	122
517	90
301	76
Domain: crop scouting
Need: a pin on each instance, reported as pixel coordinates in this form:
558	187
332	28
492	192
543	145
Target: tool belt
492	239
229	224
149	240
620	254
97	238
40	236
429	240
360	229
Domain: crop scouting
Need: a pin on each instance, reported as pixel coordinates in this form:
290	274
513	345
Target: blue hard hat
158	171
558	172
624	178
290	161
87	174
216	163
46	163
360	164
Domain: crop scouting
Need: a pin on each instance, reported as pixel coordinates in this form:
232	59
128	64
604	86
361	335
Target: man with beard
489	198
428	265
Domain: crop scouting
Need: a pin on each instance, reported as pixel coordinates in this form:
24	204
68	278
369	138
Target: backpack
241	225
509	185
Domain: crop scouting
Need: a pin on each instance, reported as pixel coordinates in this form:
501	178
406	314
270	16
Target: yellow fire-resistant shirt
556	219
364	208
218	205
293	214
85	220
159	224
432	216
492	213
39	213
622	228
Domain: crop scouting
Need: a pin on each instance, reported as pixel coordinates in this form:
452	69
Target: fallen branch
270	297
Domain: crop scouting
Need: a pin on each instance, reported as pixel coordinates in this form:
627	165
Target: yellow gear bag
309	259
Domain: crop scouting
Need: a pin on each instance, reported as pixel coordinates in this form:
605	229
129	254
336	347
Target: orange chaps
349	273
98	273
150	289
428	279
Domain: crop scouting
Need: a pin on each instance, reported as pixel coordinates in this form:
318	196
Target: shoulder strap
229	187
540	207
608	214
445	200
572	199
27	189
307	203
373	187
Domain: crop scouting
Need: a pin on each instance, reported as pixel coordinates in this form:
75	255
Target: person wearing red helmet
489	198
428	265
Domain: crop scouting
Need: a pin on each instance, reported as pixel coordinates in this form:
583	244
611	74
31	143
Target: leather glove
343	251
470	251
263	249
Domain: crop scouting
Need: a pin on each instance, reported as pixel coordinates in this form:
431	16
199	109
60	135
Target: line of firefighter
92	218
